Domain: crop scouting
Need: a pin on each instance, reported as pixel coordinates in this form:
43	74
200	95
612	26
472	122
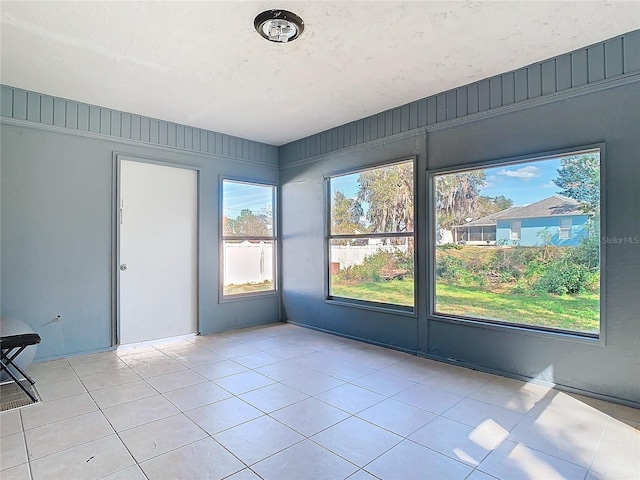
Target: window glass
520	243
371	239
515	230
564	231
247	209
248	246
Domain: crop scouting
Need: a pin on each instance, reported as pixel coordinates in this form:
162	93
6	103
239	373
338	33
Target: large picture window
537	262
248	238
371	235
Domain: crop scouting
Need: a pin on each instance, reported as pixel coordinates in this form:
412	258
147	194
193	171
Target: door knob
123	267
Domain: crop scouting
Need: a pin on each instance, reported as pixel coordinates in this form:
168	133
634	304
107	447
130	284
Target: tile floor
283	402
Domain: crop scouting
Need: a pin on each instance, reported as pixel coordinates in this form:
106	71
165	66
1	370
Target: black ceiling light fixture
279	25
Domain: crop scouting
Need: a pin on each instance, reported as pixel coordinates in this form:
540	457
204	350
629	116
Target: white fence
444	236
348	255
247	263
253	262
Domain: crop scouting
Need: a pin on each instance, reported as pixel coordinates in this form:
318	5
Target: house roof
488	221
548	207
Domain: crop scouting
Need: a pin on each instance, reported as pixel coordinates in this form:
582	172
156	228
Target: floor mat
12	396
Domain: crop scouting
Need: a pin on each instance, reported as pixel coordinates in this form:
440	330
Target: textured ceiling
202	63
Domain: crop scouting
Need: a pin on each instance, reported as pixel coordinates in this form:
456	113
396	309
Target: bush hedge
545	269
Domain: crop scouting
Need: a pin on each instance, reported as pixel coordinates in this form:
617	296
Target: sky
347	184
239	196
524	183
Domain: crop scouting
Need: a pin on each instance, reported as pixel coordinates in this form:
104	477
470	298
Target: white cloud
549	185
491	181
525	173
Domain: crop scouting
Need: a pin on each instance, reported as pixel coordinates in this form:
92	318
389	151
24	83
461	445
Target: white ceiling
202	63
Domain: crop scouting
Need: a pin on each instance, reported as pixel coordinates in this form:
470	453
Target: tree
488	205
388	191
579	178
457	197
248	224
501	202
345	214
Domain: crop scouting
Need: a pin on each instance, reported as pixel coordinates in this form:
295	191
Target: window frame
515	234
565	230
397	309
222	297
599	338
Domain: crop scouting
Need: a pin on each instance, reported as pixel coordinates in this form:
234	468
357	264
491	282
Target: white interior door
158	251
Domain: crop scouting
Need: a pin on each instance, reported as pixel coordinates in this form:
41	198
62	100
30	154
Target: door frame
117	159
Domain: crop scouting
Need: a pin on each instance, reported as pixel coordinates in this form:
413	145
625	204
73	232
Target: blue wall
530	229
472	125
56	226
56	214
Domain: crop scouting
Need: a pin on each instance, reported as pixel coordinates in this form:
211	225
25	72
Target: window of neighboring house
541	268
515	230
564	231
371	236
248	238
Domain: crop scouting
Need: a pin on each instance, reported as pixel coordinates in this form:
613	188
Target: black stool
12	346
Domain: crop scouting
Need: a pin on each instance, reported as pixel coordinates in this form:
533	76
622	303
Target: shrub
455	270
520	288
534	270
369	269
588	250
404	260
450	268
450	246
508	275
564	277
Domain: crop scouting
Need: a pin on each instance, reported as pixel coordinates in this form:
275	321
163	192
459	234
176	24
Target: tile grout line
315	351
26	445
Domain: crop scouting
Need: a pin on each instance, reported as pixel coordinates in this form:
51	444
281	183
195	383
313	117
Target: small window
248	238
564	231
519	243
515	230
371	236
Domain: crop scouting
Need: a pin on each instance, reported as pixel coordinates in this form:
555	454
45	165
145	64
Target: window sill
562	335
247	296
376	307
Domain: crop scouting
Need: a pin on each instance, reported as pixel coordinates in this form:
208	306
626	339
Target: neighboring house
481	231
562	218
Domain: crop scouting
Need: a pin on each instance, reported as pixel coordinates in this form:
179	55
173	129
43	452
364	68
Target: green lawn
570	312
399	292
240	289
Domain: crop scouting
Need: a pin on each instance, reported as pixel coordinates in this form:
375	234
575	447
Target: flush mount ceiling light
279	25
